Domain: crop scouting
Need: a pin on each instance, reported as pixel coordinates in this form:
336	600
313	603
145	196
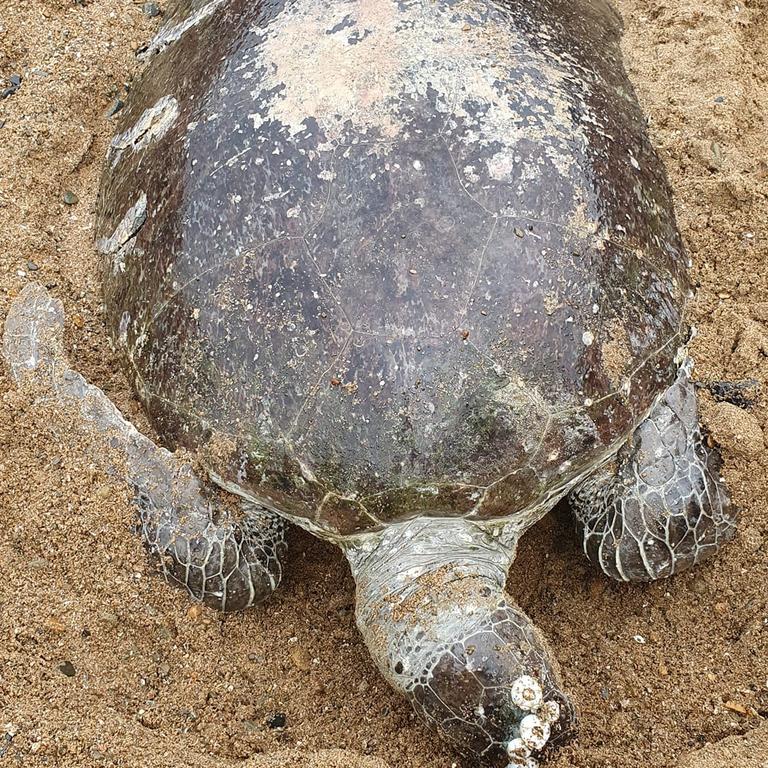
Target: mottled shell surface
376	259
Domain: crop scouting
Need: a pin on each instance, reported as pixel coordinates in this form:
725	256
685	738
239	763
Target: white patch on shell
401	52
122	239
125	320
153	124
170	34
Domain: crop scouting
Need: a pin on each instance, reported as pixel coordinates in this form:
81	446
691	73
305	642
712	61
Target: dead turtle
405	274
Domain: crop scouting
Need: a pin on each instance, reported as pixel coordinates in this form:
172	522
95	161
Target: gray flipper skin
432	609
226	563
661	506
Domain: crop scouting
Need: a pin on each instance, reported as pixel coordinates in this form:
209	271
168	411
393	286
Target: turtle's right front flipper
227	563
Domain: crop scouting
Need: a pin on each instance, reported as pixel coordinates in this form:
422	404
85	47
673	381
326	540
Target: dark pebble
719	99
15	84
743	394
6	742
32	267
67	669
277	720
151	9
70	198
114	107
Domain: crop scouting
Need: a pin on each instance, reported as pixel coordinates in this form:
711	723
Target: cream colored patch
152	125
401	53
585	227
170	34
616	354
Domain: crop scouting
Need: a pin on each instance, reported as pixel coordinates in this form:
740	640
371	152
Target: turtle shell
376	259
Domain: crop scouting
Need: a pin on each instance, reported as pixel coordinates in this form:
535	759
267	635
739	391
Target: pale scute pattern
153	124
411	54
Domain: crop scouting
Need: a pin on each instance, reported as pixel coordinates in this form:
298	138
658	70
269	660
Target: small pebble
735	706
151	9
55	625
301	658
166	633
5	742
195	611
277	720
14	85
32	267
105	617
70	198
114	108
68	669
715	158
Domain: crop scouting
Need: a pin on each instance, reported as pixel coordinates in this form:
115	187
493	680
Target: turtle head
493	692
432	609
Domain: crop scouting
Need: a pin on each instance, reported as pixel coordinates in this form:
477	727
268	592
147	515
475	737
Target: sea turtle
404	273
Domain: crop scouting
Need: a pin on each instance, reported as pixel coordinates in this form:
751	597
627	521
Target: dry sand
657	671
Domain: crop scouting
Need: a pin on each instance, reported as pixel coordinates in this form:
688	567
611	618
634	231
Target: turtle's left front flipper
662	506
227	561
